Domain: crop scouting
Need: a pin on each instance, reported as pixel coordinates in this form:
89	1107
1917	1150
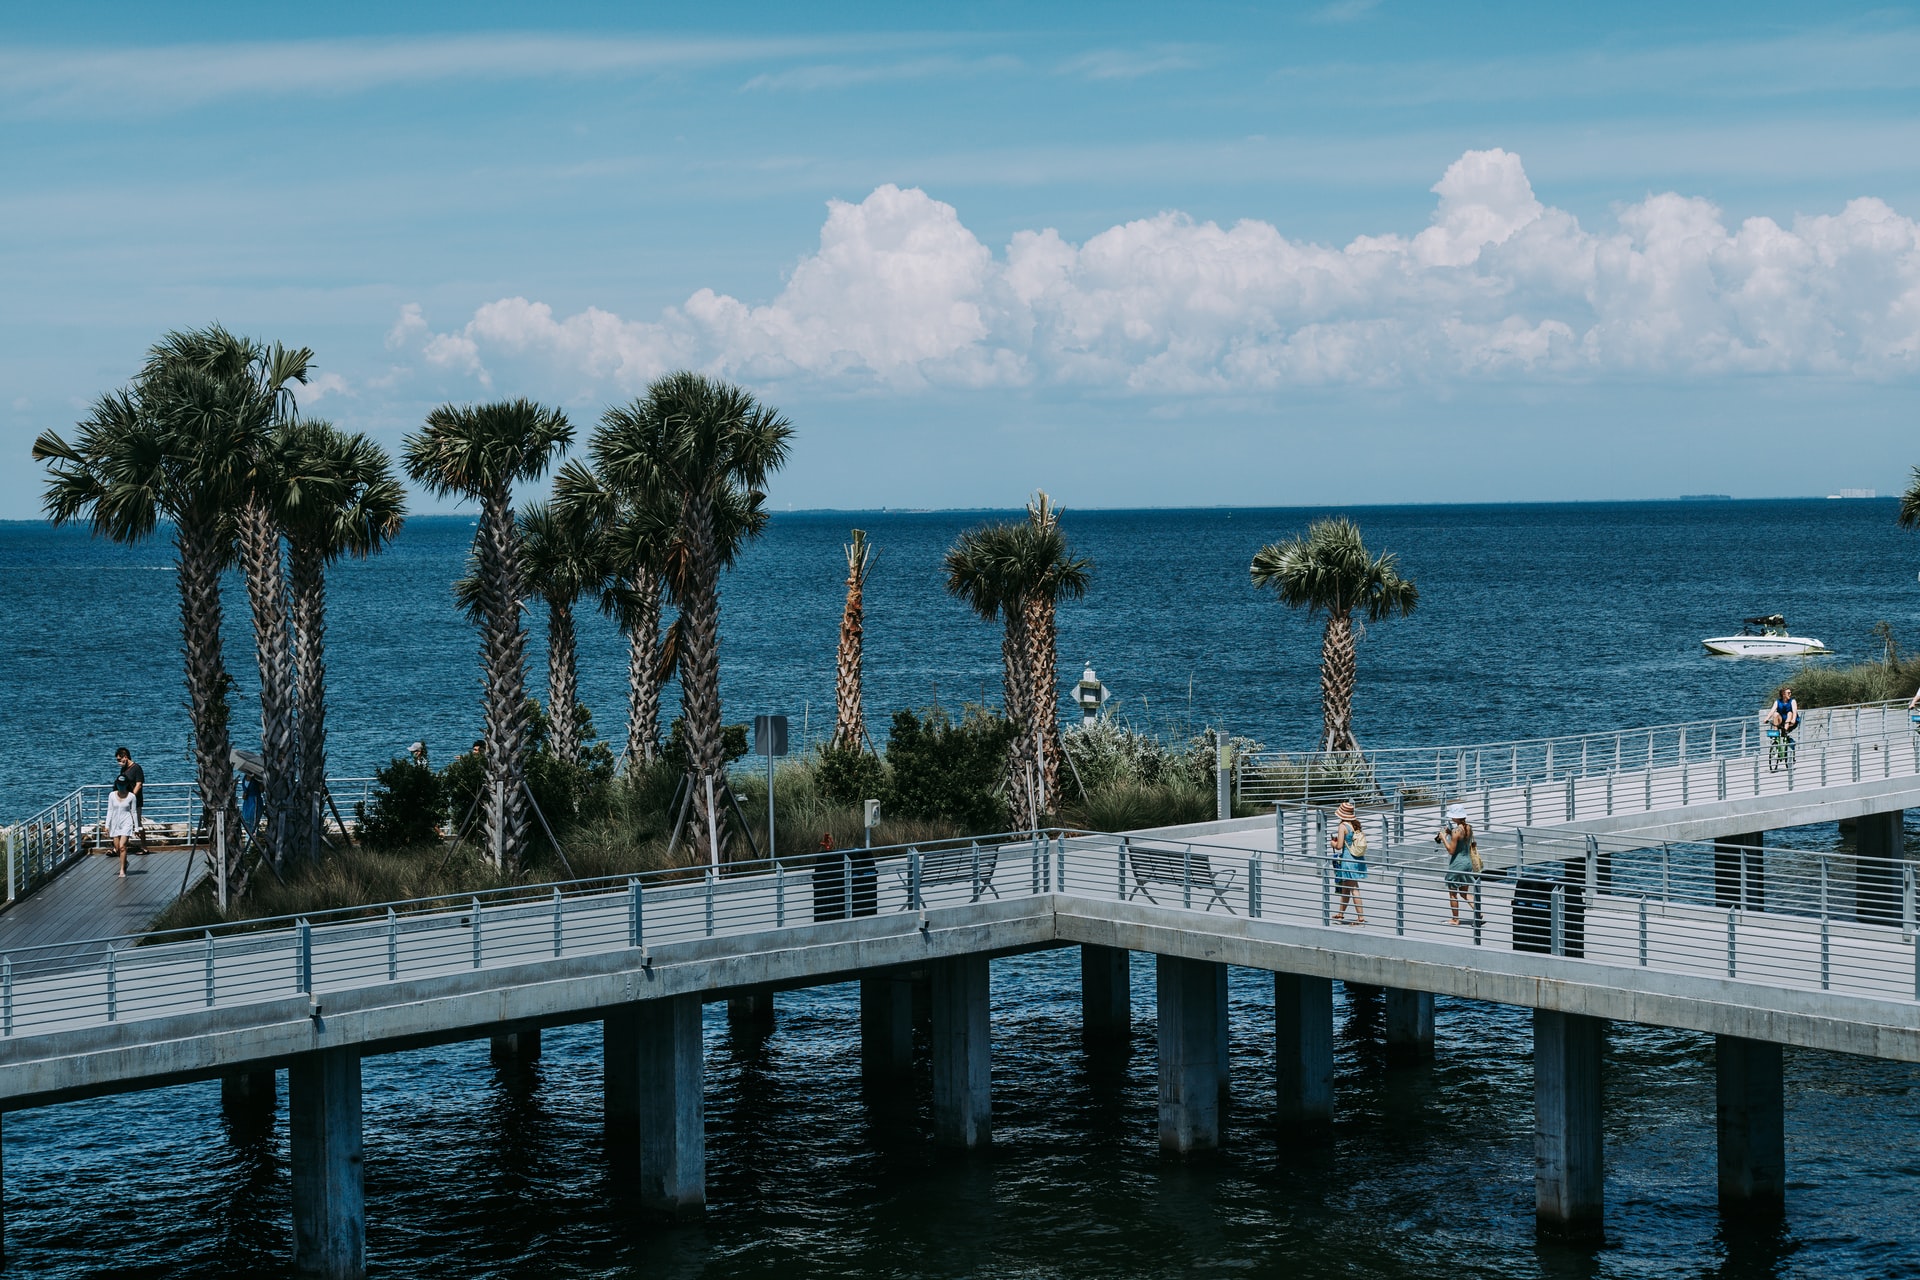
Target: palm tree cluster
1017	572
207	438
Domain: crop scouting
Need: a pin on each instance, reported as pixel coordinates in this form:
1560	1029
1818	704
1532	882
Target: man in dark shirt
136	780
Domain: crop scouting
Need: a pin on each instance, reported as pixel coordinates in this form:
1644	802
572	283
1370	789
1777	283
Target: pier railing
45	843
1585	775
1785	917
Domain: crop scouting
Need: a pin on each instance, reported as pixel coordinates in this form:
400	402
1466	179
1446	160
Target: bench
973	865
1186	869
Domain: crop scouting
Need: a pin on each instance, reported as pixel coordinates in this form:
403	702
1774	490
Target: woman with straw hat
1457	839
1349	843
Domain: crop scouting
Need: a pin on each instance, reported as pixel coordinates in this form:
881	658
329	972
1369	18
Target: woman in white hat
1457	839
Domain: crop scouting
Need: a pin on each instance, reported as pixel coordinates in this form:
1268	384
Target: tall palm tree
481	452
225	384
1909	516
1050	574
849	726
131	465
1329	570
564	556
711	446
353	506
986	571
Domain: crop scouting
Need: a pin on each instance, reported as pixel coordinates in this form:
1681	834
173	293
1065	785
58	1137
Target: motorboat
1765	637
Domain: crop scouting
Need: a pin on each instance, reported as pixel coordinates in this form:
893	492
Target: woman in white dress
122	824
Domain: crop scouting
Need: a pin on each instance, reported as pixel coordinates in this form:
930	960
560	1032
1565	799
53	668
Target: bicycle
1780	749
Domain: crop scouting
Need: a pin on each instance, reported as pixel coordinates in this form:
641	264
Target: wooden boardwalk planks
89	900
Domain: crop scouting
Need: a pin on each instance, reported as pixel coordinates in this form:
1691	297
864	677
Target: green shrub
845	776
947	769
733	744
406	808
1132	806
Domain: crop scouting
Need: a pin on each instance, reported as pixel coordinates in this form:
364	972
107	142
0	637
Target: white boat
1765	637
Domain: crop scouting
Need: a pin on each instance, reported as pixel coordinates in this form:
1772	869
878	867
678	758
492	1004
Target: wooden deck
90	900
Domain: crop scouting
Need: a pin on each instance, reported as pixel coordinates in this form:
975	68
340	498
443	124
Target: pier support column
515	1050
962	1052
751	1014
1568	1175
620	1087
1750	1113
1732	854
1409	1026
1190	997
1303	1051
886	1030
329	1193
248	1099
1880	841
670	1099
1106	995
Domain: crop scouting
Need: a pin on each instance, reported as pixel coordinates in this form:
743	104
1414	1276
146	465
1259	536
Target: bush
733	744
947	769
845	776
1132	806
407	803
564	793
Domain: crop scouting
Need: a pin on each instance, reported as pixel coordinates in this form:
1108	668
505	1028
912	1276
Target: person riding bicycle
1785	715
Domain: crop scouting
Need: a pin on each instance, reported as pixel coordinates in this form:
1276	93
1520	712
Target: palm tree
222	384
131	465
1909	516
355	509
1050	574
1330	571
480	452
986	572
564	556
849	727
710	446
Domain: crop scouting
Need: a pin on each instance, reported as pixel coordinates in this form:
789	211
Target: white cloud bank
901	294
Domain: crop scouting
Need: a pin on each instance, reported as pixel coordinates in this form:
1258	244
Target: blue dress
1350	867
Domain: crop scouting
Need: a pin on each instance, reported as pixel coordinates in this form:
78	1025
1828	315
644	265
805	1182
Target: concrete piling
248	1099
670	1099
1750	1113
1409	1027
1303	1052
1568	1171
751	1014
1191	994
1106	995
620	1088
329	1192
962	1052
886	1030
1740	871
515	1050
1879	840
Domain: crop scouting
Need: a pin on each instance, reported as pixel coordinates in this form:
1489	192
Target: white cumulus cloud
901	294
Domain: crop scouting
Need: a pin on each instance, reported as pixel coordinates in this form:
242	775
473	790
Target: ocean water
1534	619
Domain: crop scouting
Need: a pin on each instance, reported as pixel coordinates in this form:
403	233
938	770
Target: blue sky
1134	254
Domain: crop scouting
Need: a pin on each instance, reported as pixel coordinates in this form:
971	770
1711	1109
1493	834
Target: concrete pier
1303	1052
1750	1114
515	1050
751	1014
1409	1026
1568	1170
248	1099
1880	841
962	1052
1191	997
886	1030
1106	995
329	1192
620	1088
668	1096
1737	861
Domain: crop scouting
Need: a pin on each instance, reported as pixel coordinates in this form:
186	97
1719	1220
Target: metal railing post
1326	895
635	920
1253	886
1557	921
1593	868
113	985
711	880
393	946
1643	931
6	995
846	886
1119	871
1520	849
303	948
1060	864
1733	917
1400	904
1572	800
1529	794
779	895
559	927
209	968
13	864
1722	789
1186	877
476	932
1610	795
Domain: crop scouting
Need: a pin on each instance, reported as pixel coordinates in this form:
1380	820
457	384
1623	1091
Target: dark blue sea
1534	619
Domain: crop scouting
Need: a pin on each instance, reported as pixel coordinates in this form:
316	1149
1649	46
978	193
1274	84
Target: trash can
1533	914
830	887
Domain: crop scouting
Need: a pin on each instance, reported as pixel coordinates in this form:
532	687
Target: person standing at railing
136	779
1349	847
1457	839
122	820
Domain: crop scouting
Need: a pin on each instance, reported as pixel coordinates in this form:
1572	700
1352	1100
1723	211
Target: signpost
770	740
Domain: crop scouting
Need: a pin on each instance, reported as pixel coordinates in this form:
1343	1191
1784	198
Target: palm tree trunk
273	645
1043	664
643	673
306	575
849	726
1017	694
1336	684
563	696
197	571
700	660
504	660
